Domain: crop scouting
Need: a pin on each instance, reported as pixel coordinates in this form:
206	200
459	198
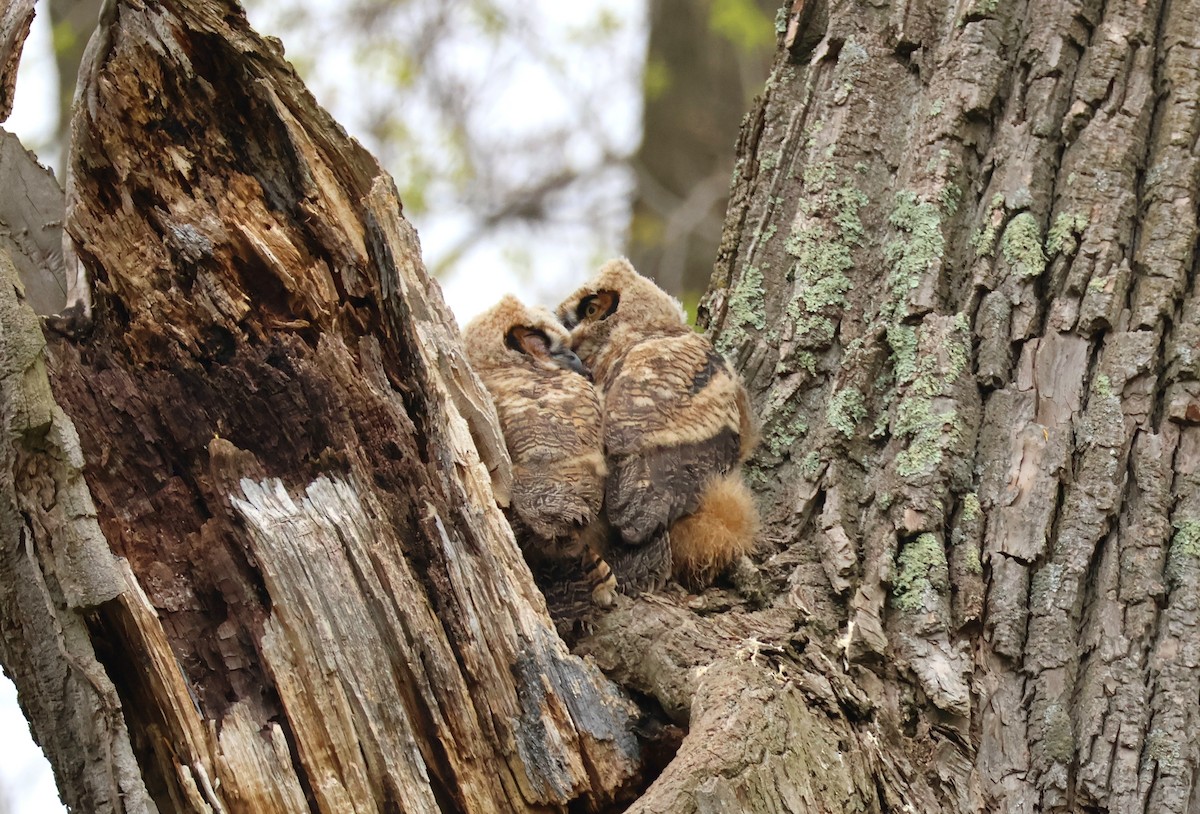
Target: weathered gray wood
31	216
15	19
55	570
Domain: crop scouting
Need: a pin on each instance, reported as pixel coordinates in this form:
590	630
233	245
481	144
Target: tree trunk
705	61
294	589
957	273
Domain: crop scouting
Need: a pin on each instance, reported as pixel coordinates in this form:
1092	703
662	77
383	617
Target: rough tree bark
958	272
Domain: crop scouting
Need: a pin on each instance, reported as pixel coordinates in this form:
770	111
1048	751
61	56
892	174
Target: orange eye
597	306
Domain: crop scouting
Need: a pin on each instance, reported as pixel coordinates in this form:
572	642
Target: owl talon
605	596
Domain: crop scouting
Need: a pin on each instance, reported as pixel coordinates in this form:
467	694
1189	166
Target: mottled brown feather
551	420
676	415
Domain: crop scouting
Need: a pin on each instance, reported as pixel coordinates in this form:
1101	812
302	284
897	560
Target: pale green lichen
936	108
984	241
1185	547
921	570
845	410
1063	237
804	360
846	201
928	432
971	509
783	427
783	438
950	195
817	174
746	309
941	159
1103	386
880	430
1022	246
925	429
821	269
781	18
770	161
810	465
738	166
811	132
849	65
822	248
919	247
903	341
958	352
981	8
973	559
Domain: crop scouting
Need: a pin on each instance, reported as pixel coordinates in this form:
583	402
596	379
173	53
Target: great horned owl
550	416
677	425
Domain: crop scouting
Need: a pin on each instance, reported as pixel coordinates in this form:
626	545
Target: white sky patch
34	116
26	782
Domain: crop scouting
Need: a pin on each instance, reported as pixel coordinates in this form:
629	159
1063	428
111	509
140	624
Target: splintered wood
320	606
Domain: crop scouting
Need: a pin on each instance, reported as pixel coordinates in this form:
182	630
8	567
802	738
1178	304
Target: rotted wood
319	605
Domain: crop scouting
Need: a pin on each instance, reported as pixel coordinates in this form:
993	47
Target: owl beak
568	359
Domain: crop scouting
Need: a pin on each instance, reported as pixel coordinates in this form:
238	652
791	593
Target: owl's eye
600	305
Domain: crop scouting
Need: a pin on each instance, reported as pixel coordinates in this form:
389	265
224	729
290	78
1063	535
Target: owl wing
552	430
672	421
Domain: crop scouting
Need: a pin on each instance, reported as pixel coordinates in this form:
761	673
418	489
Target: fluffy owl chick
677	425
550	416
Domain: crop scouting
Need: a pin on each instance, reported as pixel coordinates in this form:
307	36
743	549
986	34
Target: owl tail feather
722	529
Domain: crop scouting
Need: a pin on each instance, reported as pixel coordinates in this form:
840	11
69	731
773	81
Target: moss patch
919	246
845	410
921	573
1063	237
1022	246
746	309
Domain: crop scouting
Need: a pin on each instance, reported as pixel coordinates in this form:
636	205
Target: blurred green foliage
742	23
